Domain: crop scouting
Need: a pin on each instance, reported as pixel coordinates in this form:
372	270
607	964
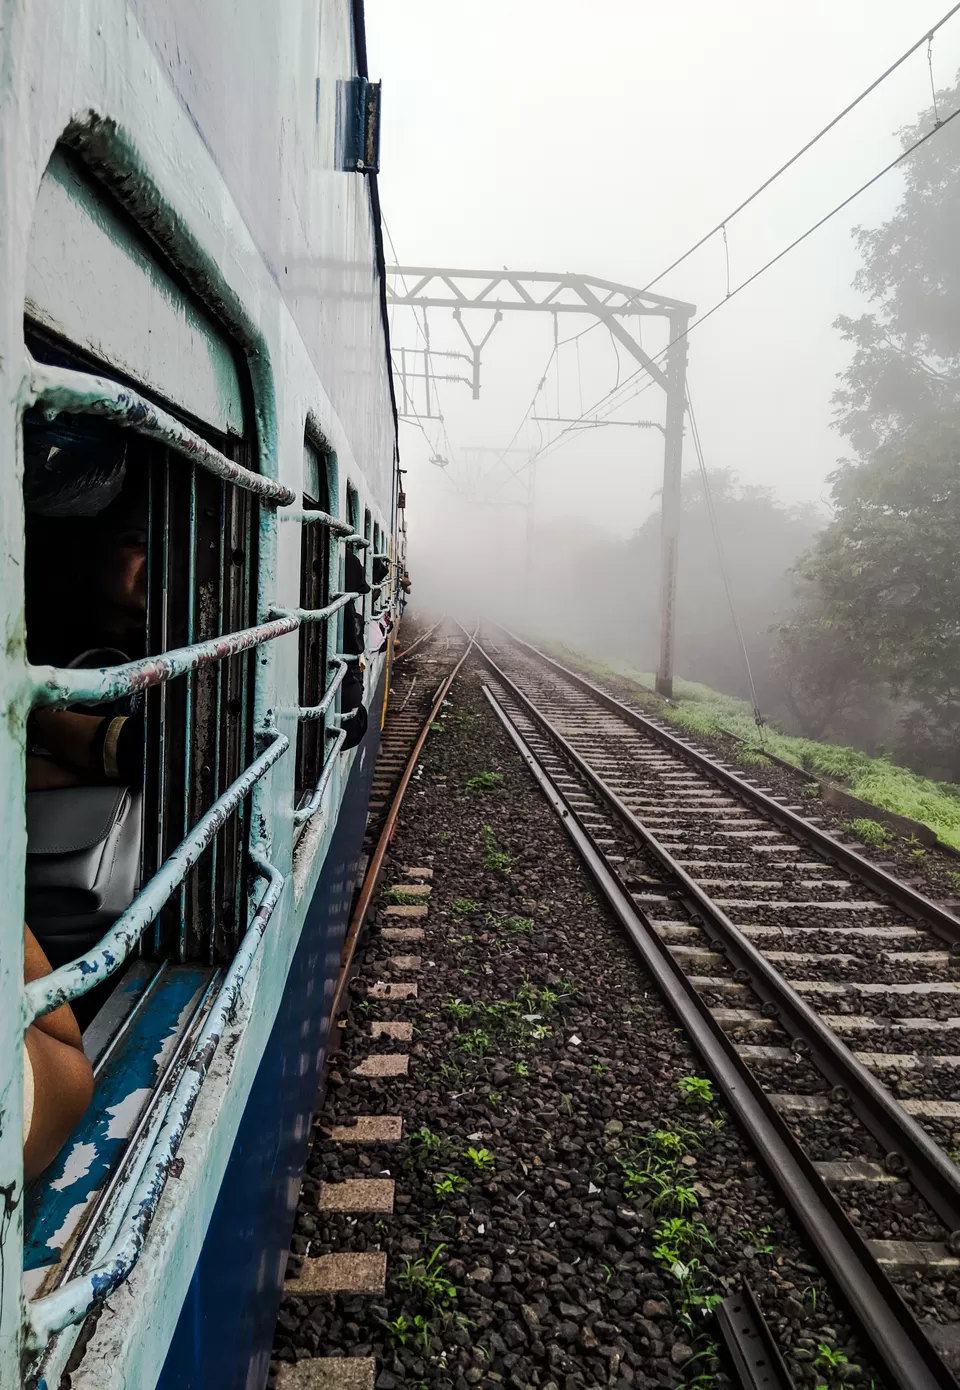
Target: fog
606	139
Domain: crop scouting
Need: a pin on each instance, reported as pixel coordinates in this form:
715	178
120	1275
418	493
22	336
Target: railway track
822	992
419	669
417	693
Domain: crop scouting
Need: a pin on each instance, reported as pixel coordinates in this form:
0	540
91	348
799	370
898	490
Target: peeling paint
54	685
58	389
58	1237
78	1165
123	1115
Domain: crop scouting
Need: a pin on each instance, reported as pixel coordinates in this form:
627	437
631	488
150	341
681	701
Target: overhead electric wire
426	353
925	38
527	413
708	313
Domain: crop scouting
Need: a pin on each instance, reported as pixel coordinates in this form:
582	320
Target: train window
132	551
367	561
353	508
377	596
318	560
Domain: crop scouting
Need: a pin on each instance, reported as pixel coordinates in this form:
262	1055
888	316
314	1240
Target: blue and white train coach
198	450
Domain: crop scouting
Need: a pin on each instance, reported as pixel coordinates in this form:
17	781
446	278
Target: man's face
124	573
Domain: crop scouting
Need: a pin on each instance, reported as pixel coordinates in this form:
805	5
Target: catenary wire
926	37
612	404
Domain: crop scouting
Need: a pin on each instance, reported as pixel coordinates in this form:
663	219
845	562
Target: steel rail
375	864
907	1144
915	904
894	1337
399	656
750	1343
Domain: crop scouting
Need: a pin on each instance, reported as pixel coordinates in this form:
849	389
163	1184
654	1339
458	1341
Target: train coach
199	518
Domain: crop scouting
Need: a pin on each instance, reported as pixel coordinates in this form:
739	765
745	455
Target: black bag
355	577
351	702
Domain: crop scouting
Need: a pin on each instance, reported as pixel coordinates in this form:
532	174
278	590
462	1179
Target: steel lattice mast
613	305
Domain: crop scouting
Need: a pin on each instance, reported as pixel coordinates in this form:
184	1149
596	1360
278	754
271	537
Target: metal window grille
318	554
367	565
202	566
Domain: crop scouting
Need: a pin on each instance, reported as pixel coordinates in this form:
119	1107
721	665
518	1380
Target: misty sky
605	138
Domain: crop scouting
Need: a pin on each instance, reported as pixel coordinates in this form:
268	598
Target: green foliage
513	926
426	1282
700	710
759	1239
521	1069
427	1147
418	1330
882	582
463	906
543	999
906	356
654	1168
450	1185
494	858
457	1008
696	1090
870	833
485	782
829	1359
482	1159
476	1042
673	1143
401	896
679	1241
749	758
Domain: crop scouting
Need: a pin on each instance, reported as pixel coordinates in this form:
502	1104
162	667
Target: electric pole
672	500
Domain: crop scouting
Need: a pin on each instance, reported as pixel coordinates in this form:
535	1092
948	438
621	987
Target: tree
906	363
761	539
824	678
885	573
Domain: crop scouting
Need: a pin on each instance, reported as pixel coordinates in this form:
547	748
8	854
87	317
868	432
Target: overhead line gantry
616	307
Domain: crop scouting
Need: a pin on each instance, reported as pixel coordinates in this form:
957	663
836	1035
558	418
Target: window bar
315	548
245	719
313	805
189	740
59	389
77	977
162	799
313	615
341	529
342	661
61	685
225	914
222	688
73	1300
